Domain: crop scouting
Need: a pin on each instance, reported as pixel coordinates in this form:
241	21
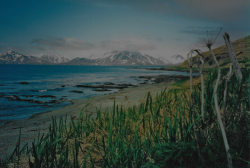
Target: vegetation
158	133
242	51
181	127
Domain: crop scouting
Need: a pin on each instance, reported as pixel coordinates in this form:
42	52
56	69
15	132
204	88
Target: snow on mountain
108	58
164	59
118	58
128	58
96	56
12	57
176	59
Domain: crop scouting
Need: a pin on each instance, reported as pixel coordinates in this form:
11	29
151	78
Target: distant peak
12	52
178	57
115	51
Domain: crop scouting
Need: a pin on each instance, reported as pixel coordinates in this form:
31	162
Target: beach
30	127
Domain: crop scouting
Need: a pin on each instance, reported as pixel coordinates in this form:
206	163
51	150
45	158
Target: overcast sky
79	28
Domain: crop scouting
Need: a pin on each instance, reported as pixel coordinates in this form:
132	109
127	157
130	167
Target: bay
59	81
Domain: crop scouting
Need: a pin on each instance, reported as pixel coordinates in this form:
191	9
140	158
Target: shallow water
49	79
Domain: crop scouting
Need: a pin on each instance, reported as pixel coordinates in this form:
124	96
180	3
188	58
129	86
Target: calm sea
59	81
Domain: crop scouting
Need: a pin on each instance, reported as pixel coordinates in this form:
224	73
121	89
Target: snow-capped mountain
119	58
12	57
129	58
96	56
108	58
177	59
55	59
164	59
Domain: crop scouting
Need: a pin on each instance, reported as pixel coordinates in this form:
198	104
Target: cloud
52	43
104	5
159	39
216	10
63	43
223	10
132	44
198	30
8	48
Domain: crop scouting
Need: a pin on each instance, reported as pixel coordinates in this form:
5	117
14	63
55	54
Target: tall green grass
157	133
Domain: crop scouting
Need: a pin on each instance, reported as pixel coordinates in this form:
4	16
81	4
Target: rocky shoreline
53	99
103	87
169	69
165	78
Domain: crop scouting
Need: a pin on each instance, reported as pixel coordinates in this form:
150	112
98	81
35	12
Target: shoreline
102	87
30	127
170	69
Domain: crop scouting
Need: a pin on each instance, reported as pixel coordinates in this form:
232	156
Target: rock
108	83
145	77
33	101
110	86
42	90
53	101
164	78
124	84
28	95
103	86
62	99
76	91
46	96
56	89
17	98
101	90
24	83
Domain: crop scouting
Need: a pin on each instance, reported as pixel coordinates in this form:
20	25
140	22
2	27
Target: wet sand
127	97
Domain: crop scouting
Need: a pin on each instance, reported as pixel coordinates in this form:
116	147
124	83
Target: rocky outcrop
76	91
164	78
117	86
24	83
17	98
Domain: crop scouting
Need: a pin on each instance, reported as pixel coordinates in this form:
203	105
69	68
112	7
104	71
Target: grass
180	83
154	134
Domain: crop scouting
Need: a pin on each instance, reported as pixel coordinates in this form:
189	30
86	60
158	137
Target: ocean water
58	81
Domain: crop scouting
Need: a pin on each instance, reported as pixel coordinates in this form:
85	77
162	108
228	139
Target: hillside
241	48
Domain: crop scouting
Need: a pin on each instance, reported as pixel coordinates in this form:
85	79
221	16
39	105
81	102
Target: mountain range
12	57
108	58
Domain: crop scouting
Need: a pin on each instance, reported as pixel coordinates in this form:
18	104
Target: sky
80	28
